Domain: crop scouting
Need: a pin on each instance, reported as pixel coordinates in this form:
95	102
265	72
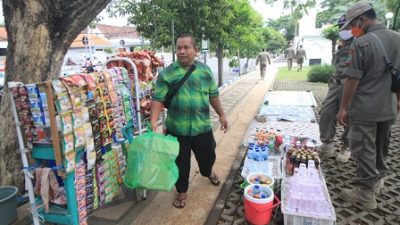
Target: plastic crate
299	219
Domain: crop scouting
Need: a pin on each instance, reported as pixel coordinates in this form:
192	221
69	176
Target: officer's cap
341	21
355	11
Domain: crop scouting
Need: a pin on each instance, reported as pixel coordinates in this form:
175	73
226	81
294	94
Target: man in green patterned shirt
189	114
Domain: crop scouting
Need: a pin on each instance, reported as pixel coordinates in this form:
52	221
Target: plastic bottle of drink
298	144
256	190
257	154
271	142
264	154
256	180
263	196
250	153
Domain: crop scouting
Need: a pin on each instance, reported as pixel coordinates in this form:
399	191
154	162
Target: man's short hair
186	35
370	14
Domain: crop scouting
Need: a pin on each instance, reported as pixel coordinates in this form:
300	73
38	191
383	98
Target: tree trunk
220	51
333	46
395	18
240	69
39	34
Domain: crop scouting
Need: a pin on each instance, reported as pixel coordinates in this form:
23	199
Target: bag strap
174	89
388	62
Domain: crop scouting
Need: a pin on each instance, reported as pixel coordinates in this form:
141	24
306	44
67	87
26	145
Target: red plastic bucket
257	211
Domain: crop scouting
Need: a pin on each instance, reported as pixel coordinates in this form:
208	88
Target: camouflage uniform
263	59
331	104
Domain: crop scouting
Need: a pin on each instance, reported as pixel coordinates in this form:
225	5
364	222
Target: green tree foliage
245	29
288	24
275	41
331	33
333	9
226	23
285	25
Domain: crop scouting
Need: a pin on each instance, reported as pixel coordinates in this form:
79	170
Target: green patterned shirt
189	110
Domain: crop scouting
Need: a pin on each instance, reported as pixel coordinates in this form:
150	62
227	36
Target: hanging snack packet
90	81
78	118
58	87
68	142
66	123
79	137
85	115
91	159
70	158
64	102
33	91
75	98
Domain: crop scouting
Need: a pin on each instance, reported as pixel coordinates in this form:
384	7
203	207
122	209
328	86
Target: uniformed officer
290	56
369	101
263	58
330	106
300	56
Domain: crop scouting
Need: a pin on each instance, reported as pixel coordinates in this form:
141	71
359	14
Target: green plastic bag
151	162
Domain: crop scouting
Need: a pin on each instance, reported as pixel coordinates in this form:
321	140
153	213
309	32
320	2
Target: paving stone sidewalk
337	176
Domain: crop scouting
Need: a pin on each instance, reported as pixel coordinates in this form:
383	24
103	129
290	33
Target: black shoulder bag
174	89
394	71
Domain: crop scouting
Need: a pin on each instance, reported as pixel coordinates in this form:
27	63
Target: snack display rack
79	126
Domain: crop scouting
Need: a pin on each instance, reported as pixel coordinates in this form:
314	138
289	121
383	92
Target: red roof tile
114	32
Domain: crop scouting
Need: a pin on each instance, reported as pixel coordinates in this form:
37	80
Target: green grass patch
285	74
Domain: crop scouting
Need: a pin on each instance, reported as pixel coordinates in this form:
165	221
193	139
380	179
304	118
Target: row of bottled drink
294	157
257	152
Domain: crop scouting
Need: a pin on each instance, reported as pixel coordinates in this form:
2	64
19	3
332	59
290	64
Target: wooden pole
54	130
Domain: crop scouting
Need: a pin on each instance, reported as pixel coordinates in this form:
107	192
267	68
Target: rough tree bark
39	34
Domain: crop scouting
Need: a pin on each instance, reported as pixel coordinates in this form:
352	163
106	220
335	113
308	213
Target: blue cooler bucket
8	204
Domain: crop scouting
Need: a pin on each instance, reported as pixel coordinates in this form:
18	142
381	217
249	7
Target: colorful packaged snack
43	99
66	123
58	87
70	157
64	102
85	115
90	81
68	142
79	137
78	119
33	91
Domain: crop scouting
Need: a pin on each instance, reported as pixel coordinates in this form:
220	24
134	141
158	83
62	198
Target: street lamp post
388	17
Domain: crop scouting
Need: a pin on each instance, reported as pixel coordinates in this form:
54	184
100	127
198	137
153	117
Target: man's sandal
214	179
180	200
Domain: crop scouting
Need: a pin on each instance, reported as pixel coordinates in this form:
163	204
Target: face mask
357	31
345	34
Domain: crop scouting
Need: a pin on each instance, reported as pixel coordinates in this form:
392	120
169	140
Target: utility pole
173	40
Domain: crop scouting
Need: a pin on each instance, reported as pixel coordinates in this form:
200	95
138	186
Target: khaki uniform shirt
263	58
290	53
340	59
373	100
301	53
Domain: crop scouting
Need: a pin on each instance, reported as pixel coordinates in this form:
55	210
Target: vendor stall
282	147
73	133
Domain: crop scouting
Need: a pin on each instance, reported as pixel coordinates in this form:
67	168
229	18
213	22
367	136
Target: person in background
330	106
89	66
188	116
300	56
368	101
290	56
264	59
